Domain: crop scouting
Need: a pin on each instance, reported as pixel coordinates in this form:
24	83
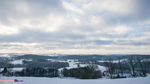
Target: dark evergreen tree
28	72
5	70
22	73
89	72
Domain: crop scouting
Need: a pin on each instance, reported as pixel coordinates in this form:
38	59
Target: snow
10	54
102	68
114	61
13	69
17	69
17	61
52	60
4	55
43	80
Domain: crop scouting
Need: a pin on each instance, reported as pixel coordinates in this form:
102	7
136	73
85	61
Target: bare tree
92	64
109	63
132	63
120	66
143	65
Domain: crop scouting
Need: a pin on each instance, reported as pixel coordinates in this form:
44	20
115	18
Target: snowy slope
73	64
13	69
39	80
20	61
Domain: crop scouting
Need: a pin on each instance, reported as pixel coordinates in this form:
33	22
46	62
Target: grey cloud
31	36
103	42
63	37
71	35
131	42
142	13
14	9
10	45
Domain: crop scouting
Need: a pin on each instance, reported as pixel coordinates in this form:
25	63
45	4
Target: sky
75	26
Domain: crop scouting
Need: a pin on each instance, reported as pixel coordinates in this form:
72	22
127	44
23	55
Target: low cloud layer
75	26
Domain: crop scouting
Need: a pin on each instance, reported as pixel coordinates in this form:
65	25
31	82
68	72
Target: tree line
34	72
135	66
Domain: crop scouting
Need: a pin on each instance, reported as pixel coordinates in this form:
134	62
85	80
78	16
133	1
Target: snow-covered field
19	61
39	80
13	69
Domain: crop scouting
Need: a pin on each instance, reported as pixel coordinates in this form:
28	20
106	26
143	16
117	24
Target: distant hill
79	57
32	56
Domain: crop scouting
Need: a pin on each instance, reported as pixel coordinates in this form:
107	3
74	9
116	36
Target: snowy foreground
42	80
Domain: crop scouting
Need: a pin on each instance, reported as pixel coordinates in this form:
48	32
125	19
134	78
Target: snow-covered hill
73	64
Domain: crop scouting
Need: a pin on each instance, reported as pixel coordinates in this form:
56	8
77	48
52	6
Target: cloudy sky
75	26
